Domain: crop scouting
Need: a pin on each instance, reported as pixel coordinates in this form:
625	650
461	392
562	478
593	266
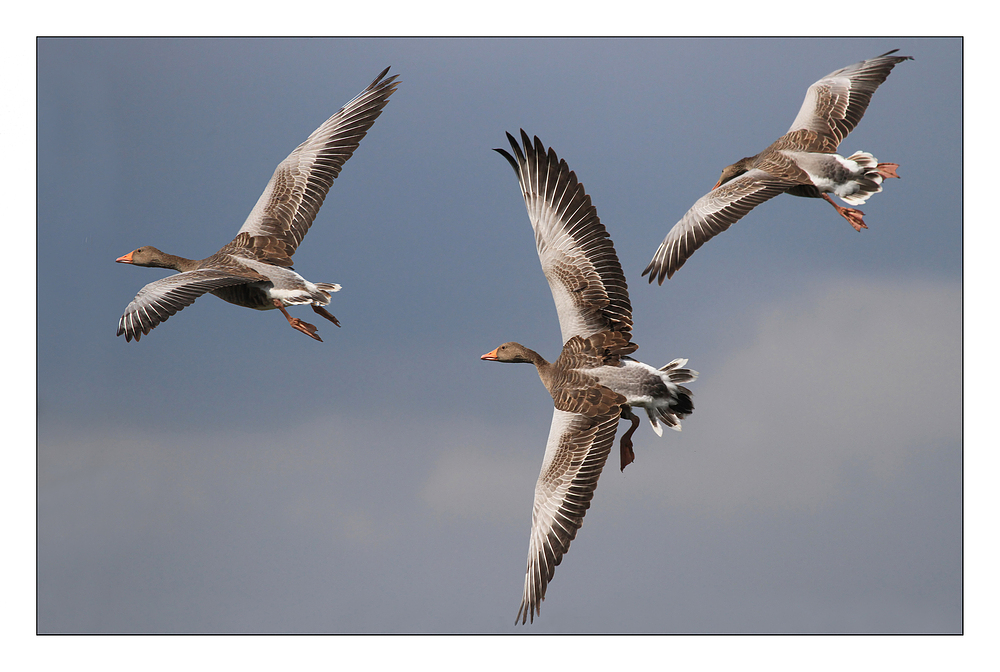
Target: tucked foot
887	169
627	454
853	216
306	328
320	310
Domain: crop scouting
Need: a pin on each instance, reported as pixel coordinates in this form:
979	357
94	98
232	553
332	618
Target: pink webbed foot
627	454
320	310
306	328
297	324
853	216
887	169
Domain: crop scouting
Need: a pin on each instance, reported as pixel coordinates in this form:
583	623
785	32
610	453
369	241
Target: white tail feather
864	185
654	423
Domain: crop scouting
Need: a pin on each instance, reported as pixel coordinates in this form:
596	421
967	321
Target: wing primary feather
575	250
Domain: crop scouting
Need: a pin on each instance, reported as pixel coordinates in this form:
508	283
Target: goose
593	382
802	162
255	269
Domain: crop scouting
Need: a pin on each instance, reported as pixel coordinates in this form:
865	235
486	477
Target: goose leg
320	310
854	217
887	169
627	455
306	328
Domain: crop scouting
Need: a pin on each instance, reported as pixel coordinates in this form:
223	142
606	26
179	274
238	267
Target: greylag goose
255	269
802	162
593	382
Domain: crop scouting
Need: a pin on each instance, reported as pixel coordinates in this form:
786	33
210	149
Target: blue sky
227	474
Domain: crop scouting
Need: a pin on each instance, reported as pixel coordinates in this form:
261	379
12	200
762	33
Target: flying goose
255	269
802	162
593	382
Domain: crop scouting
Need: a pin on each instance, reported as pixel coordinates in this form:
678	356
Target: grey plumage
255	269
593	382
802	162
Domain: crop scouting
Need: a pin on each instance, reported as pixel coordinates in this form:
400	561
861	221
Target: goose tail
867	182
680	403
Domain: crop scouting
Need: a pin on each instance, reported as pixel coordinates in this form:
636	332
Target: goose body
255	269
593	382
655	390
803	162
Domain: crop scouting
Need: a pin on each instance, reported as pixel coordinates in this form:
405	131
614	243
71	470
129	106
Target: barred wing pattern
300	183
576	391
834	105
712	214
575	454
576	253
160	299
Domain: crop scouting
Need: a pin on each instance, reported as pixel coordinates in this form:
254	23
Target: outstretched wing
835	104
286	209
577	255
712	214
577	448
160	299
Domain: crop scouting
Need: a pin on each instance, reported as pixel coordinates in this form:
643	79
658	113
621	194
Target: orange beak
716	185
126	259
491	355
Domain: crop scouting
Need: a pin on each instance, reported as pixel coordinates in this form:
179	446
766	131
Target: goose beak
491	355
717	184
125	259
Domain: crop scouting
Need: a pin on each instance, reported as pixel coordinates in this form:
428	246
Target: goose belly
830	173
639	383
289	287
250	295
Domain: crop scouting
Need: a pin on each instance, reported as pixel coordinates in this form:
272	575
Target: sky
229	475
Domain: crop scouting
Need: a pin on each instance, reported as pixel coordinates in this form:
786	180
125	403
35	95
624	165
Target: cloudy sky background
227	474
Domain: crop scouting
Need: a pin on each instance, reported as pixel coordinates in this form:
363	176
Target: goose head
150	256
146	256
513	353
734	170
